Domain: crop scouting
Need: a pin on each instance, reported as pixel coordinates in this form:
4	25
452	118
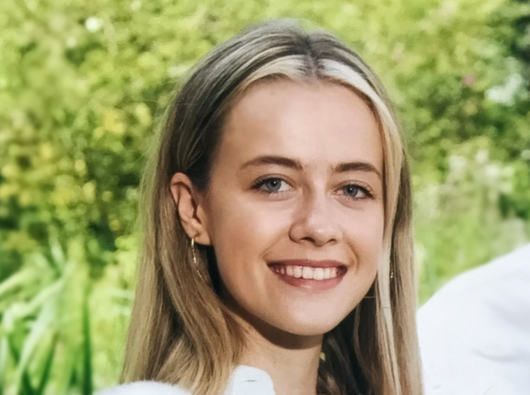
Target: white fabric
144	388
245	380
475	332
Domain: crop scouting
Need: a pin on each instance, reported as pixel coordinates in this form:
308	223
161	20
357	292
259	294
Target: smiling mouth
306	272
309	274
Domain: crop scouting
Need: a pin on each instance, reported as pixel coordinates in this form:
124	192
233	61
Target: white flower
93	24
482	156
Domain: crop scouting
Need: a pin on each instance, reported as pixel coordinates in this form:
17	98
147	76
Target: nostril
314	223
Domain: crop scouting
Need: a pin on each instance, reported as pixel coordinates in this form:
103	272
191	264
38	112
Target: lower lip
314	285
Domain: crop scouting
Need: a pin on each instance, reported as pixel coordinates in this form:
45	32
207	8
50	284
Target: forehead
314	122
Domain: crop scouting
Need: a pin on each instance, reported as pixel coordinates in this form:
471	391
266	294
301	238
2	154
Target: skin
307	208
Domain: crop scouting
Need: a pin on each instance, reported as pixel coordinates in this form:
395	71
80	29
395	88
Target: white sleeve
474	333
144	388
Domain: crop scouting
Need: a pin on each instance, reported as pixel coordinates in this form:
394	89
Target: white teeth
318	273
306	272
298	271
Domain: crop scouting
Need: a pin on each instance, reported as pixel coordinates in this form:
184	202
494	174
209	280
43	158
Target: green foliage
458	222
45	324
83	84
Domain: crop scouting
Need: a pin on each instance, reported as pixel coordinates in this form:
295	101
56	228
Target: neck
291	361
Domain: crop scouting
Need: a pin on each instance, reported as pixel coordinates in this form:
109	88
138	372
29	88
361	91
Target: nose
314	222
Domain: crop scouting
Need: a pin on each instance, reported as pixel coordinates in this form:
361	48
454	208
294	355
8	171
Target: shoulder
482	302
473	333
144	388
245	380
504	280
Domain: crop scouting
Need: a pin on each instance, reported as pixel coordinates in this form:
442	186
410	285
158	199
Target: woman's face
294	209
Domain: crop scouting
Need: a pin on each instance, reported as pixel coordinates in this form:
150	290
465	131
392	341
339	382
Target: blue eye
355	191
271	185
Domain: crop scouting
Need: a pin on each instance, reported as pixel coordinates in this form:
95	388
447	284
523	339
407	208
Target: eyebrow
357	166
273	160
296	165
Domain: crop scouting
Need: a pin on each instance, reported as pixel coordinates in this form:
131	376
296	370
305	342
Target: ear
190	211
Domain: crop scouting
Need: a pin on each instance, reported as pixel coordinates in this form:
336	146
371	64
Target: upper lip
307	262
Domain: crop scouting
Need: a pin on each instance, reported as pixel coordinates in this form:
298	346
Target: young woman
277	253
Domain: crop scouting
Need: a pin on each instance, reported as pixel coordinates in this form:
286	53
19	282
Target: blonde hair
181	332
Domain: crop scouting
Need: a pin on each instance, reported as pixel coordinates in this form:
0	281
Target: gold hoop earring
391	271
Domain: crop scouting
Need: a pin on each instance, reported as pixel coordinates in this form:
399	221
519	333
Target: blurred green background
83	85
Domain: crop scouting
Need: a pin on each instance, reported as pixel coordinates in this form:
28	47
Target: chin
308	325
310	330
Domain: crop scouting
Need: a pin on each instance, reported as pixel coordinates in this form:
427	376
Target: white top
475	332
245	380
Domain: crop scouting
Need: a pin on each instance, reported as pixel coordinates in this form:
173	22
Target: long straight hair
181	331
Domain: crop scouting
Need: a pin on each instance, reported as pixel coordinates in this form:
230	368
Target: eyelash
262	181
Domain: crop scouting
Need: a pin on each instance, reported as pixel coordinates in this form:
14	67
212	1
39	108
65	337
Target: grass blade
38	331
47	367
87	348
4	359
24	378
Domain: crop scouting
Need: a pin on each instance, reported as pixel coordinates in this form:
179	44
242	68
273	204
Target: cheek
364	237
242	231
243	220
368	234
